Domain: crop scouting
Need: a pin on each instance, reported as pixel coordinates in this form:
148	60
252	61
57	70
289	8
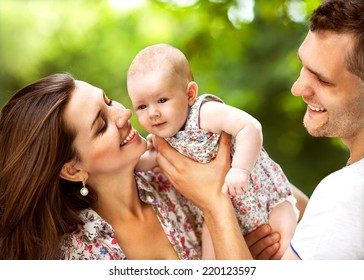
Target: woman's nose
122	116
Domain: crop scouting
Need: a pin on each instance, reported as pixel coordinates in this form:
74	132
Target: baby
165	98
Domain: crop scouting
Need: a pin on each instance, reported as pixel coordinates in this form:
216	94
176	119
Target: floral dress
268	184
180	220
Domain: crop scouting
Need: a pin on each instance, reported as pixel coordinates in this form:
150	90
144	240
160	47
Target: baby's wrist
246	171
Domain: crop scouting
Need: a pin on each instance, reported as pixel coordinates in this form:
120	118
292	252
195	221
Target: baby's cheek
144	124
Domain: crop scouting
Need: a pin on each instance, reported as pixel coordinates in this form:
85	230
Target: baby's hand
236	182
148	160
150	142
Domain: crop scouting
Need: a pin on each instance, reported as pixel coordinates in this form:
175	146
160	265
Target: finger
268	252
238	191
157	169
225	191
257	234
235	190
165	167
168	154
265	246
149	146
224	147
163	163
241	190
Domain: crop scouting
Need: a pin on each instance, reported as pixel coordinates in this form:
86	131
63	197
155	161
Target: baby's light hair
161	57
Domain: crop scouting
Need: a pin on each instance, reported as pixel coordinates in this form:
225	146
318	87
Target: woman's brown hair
36	206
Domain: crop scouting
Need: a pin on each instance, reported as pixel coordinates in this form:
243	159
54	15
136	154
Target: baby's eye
162	100
141	107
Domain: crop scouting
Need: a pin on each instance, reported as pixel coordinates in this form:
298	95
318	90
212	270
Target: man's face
335	96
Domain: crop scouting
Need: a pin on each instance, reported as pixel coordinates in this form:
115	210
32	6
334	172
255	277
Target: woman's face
105	141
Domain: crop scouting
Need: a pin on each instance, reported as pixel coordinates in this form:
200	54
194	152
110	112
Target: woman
68	188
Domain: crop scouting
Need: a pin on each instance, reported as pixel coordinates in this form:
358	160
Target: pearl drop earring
84	190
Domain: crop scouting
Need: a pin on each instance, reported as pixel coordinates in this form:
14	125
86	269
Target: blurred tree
241	50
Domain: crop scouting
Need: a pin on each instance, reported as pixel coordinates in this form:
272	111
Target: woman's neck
119	198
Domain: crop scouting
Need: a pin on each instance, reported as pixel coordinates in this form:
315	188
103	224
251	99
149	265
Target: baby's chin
164	133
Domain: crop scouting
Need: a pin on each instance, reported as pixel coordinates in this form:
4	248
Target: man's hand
262	243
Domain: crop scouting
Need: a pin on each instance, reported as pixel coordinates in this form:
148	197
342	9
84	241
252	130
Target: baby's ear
192	92
70	172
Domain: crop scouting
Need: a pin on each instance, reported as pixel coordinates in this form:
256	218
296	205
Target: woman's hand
200	183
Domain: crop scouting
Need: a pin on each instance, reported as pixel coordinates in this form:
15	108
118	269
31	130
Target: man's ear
192	91
70	172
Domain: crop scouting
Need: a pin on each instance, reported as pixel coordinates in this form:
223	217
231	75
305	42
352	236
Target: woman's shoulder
93	240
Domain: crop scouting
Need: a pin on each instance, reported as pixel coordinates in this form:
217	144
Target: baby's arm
148	160
283	219
247	131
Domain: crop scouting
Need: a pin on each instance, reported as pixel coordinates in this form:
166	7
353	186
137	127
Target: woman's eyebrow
99	112
97	117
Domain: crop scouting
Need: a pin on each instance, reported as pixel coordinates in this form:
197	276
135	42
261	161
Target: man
331	83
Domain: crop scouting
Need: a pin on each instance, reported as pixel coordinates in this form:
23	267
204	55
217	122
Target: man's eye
323	82
141	107
162	100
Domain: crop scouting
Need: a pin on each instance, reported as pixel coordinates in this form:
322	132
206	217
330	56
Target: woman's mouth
129	137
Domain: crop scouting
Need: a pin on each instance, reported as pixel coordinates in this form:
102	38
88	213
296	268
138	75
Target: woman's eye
108	101
162	100
102	128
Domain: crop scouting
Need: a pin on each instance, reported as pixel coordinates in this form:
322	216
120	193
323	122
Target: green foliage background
247	59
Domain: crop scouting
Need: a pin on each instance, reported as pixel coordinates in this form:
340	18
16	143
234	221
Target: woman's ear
70	172
192	91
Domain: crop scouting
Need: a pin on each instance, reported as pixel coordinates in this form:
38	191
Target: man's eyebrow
318	75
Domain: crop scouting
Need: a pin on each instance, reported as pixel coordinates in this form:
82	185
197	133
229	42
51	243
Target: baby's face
161	104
